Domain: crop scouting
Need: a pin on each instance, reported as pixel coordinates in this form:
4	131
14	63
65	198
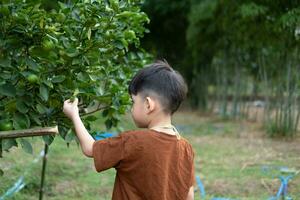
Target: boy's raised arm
85	139
190	194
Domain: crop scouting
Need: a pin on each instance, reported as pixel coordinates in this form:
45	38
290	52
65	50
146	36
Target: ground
234	159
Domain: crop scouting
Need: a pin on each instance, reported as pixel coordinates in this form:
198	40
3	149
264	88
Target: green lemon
11	106
108	34
61	17
47	45
6	125
130	35
4	10
32	78
72	98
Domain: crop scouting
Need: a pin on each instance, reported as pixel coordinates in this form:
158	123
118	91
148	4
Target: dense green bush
78	48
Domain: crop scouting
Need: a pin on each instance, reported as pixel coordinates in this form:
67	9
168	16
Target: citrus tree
83	48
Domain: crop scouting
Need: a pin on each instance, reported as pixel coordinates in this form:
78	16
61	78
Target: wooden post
30	133
0	148
43	172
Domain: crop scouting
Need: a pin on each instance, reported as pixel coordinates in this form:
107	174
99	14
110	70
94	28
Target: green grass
230	156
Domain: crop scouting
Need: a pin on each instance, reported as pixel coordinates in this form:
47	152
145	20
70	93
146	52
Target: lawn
234	159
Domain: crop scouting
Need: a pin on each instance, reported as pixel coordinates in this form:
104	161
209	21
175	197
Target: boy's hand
71	108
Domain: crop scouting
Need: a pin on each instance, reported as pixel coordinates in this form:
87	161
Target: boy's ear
150	104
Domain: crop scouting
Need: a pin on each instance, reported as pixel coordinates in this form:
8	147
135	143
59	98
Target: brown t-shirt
150	165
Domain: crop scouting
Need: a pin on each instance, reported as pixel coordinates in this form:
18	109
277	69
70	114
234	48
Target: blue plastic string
103	135
18	185
201	187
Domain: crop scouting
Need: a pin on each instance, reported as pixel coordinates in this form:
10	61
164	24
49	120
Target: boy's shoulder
135	134
132	133
145	134
139	139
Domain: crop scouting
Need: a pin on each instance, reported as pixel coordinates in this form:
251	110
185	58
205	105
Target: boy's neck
157	121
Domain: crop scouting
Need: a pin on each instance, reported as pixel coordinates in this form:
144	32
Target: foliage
167	29
257	39
78	48
234	52
252	10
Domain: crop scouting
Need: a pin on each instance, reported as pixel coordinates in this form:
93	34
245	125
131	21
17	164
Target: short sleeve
108	153
193	178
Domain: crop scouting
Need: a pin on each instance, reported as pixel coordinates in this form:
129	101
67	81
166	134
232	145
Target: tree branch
98	108
29	132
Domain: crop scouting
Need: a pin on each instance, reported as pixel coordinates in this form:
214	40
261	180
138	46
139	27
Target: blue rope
103	135
283	189
201	187
20	183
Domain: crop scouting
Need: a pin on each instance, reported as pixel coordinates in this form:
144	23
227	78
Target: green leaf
32	64
5	63
7	90
76	61
35	118
44	93
62	5
62	130
26	145
1	172
21	106
105	113
70	136
114	4
91	118
108	124
9	143
76	92
41	108
48	83
58	79
21	121
99	91
72	53
48	139
125	14
89	33
118	44
82	76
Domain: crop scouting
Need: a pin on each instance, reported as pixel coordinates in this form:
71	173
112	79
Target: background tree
237	52
167	29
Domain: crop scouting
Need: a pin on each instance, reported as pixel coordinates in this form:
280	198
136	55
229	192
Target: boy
154	163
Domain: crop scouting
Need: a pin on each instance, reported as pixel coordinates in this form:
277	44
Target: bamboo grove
240	58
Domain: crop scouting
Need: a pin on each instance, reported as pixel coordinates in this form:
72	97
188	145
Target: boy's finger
75	101
66	101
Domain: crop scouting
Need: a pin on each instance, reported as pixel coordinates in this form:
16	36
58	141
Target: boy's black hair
159	78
